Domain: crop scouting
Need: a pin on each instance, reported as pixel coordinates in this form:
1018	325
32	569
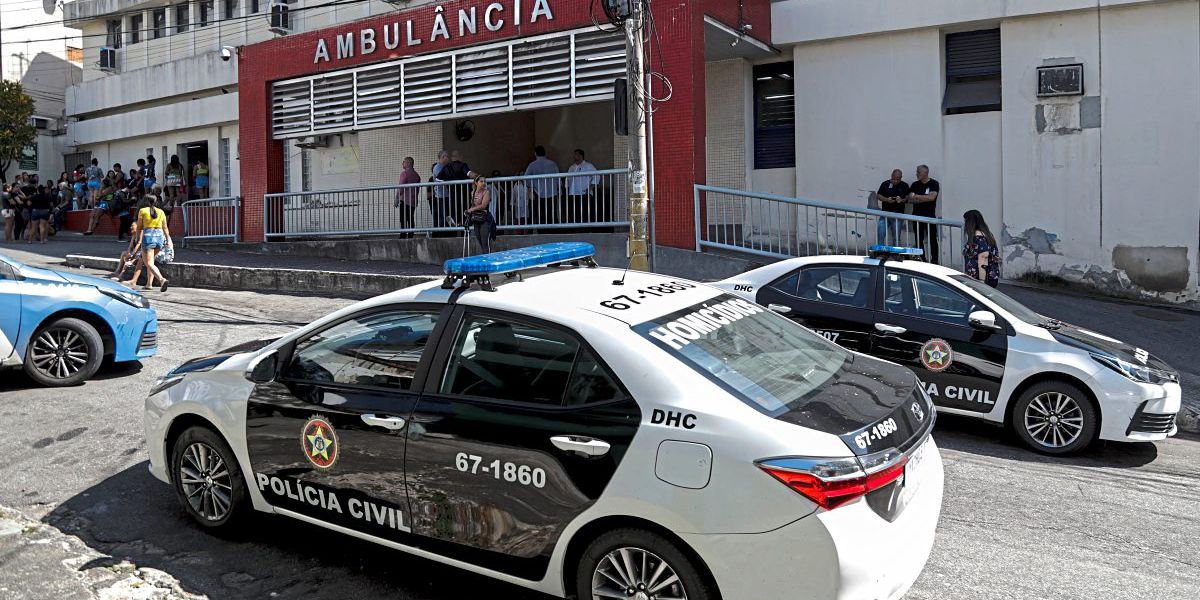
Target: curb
335	284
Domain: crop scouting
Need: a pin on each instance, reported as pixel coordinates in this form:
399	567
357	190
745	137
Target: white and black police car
580	431
977	351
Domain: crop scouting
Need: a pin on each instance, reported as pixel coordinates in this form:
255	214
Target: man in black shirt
40	204
892	196
923	193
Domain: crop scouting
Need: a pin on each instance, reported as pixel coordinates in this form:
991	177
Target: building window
160	22
206	12
135	29
774	116
182	18
231	9
255	7
972	72
113	39
226	178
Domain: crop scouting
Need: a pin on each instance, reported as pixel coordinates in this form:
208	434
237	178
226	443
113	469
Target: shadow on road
965	434
132	516
16	379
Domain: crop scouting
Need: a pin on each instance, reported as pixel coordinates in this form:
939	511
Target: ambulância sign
446	25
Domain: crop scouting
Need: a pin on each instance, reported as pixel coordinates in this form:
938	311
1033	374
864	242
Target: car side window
381	349
847	286
926	299
508	360
7	272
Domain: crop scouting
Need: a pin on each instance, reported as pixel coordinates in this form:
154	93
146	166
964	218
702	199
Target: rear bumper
849	553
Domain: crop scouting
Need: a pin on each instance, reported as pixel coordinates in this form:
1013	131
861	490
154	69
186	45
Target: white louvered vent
541	70
333	102
290	107
378	95
481	80
427	89
599	59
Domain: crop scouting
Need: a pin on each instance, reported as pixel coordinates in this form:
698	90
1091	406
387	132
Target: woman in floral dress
980	253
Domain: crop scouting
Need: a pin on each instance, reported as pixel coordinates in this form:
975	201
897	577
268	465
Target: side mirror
984	320
779	308
264	368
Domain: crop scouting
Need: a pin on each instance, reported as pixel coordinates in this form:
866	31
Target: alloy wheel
635	574
59	353
1054	419
206	482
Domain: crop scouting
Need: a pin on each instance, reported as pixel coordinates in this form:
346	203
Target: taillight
832	482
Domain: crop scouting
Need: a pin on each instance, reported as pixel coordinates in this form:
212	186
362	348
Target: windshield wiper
1051	324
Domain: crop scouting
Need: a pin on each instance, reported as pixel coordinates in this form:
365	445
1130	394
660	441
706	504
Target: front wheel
207	478
638	565
1055	417
64	353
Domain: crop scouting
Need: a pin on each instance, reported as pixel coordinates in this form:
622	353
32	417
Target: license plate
913	473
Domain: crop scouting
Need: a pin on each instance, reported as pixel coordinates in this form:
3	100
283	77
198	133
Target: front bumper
1137	412
137	336
848	553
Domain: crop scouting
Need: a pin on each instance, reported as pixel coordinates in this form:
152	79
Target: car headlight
165	382
133	299
1138	373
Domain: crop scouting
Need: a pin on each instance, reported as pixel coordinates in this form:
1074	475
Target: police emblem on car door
326	437
925	325
835	301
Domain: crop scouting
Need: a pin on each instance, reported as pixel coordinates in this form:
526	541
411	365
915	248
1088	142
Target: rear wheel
1055	417
63	353
207	478
638	565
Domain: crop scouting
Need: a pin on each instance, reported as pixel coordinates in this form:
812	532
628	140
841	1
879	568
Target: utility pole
639	228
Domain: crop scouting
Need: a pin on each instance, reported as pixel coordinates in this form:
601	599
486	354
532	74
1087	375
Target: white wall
973	177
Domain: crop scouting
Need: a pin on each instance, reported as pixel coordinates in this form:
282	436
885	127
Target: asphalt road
1121	522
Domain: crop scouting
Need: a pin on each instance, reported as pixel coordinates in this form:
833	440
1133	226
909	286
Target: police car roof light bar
885	253
479	269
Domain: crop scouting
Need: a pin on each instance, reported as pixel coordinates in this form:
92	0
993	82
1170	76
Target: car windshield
1001	299
762	358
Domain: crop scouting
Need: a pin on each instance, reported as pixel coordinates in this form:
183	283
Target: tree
16	132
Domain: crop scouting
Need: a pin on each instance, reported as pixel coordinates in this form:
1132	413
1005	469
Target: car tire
595	571
212	492
64	353
1055	417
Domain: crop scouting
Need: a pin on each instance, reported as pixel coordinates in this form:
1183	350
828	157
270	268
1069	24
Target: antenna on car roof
628	264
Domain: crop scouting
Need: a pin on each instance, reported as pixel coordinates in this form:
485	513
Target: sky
15	13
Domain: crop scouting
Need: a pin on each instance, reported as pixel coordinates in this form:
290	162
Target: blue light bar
896	251
511	261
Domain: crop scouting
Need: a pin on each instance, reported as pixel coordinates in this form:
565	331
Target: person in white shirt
581	191
545	191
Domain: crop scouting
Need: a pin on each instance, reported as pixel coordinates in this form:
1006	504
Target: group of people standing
477	207
31	210
981	256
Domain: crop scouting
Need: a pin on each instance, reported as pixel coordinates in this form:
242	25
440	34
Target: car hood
865	393
53	276
1097	343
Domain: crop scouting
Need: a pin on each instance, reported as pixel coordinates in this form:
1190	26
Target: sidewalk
236	271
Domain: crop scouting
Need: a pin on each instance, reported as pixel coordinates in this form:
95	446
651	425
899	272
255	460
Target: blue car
61	326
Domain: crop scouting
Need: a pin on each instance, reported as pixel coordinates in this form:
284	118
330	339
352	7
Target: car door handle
583	445
889	329
393	423
779	308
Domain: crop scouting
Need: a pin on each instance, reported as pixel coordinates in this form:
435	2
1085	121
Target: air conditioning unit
108	59
313	141
280	18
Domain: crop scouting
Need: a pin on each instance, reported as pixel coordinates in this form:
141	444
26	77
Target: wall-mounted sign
411	33
1061	80
28	161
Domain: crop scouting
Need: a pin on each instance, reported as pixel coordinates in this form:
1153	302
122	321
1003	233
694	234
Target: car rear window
762	358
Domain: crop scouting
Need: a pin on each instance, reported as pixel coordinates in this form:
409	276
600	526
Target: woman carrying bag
151	227
981	256
479	217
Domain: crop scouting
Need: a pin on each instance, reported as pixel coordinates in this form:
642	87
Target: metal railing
783	227
597	199
211	219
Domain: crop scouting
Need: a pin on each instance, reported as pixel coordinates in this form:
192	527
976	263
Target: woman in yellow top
151	229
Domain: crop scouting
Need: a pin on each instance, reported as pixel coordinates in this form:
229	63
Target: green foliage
16	132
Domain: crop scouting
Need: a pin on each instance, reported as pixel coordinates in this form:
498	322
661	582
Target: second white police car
579	431
977	351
